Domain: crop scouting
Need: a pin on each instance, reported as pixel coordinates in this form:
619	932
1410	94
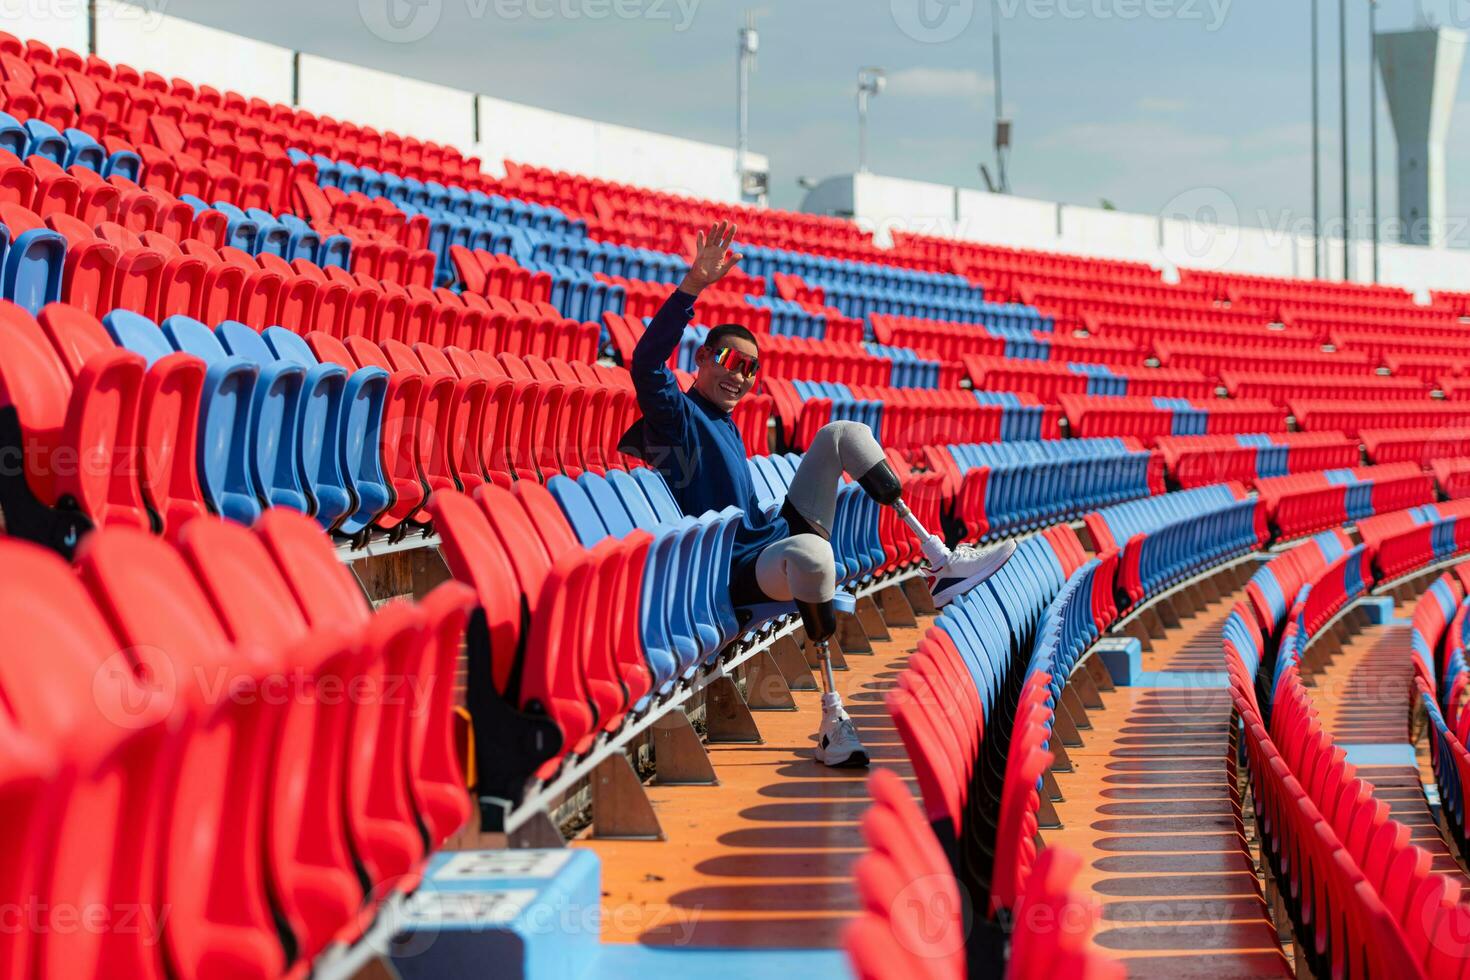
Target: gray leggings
802	566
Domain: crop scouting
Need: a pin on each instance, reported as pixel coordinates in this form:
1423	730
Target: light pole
1347	218
745	62
1318	265
1002	124
1373	121
871	82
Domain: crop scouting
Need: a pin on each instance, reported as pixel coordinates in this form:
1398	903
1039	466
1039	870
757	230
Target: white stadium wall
888	204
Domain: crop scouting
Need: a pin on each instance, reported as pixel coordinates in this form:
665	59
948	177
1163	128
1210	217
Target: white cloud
940	83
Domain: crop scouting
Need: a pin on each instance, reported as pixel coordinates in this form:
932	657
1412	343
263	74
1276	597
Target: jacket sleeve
663	404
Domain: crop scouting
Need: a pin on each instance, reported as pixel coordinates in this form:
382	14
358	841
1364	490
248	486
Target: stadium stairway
1151	801
1361	692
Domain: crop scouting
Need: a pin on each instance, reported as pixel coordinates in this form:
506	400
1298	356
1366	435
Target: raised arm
658	392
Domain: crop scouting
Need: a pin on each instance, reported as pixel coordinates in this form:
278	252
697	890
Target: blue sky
1135	101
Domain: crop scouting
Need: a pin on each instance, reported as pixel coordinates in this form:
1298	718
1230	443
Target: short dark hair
718	334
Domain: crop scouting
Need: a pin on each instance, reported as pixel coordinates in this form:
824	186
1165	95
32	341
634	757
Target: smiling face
720	386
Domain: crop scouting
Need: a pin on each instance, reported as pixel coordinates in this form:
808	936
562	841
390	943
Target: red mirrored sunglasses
733	360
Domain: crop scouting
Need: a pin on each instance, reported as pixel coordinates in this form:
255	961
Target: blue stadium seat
226	410
323	457
270	432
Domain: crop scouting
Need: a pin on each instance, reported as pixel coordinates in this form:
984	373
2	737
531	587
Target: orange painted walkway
1363	697
765	858
1152	808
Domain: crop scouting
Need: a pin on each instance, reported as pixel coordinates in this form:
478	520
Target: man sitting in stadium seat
690	438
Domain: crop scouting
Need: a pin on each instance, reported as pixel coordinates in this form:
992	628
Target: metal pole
1347	220
1373	121
1000	154
742	99
862	99
1318	266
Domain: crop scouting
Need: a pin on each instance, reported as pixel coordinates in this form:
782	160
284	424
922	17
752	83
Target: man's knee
811	568
844	430
810	555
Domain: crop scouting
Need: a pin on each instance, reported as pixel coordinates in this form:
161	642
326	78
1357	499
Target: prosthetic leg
951	573
838	744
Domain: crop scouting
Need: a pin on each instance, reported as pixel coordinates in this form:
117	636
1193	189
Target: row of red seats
1146	331
1306	502
113	268
1379	342
1226	286
1376	905
1143	419
1426	366
1197	461
456	419
1283	389
1418	446
1421	320
1453	476
1455	389
1049	380
911	418
945	254
184	719
1071	304
1405	540
1214	358
1353	418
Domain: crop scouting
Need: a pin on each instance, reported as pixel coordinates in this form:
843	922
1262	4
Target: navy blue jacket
691	442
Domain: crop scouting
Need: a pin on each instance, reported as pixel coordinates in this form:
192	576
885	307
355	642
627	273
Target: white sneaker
838	744
966	568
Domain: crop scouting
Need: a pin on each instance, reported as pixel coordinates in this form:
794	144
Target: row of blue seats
856	541
859	301
1032	484
1100	379
1019	420
1113	526
1272	459
257	232
431	196
579	295
33	263
66	148
685	616
1188	419
764	261
909	369
277	428
1192	539
789	319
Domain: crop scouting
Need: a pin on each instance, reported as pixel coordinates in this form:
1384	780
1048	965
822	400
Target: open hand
712	257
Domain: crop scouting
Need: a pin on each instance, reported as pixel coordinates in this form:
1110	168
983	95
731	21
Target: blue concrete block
1182	679
1380	611
520	915
1122	656
629	961
1381	754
